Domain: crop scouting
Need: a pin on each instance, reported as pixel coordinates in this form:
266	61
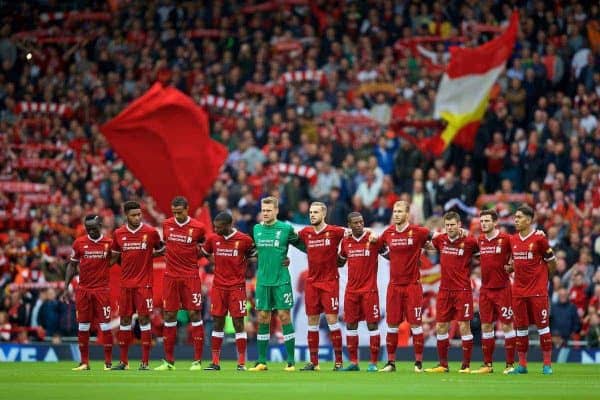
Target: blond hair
319	204
270	200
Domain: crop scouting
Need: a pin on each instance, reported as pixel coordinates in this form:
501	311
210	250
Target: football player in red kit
91	254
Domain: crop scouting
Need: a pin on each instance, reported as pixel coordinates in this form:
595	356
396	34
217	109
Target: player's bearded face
316	216
134	218
522	221
220	228
180	213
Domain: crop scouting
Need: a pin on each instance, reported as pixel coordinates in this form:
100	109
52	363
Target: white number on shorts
375	311
242	306
106	311
334	303
197	298
507	312
149	304
287	298
418	312
544	314
466	305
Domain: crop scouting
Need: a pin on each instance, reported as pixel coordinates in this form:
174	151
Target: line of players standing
328	247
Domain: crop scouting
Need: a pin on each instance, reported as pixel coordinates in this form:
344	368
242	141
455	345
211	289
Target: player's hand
463	233
540	232
372	236
65	298
347	233
286	262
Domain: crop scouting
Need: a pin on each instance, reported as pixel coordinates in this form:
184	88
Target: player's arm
295	240
550	259
72	270
384	251
159	249
341	256
115	257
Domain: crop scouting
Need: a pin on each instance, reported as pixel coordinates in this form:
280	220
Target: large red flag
163	138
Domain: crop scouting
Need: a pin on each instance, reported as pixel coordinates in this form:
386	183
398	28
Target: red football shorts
182	294
232	300
454	305
495	304
404	302
92	305
133	300
318	299
531	310
361	306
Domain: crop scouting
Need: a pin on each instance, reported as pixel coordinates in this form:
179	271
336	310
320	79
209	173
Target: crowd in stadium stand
61	78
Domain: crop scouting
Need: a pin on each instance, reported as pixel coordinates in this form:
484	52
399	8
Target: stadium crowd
540	136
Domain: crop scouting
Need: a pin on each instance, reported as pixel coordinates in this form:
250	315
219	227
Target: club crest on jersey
278	234
461	250
189	238
144	240
530	252
105	253
499	247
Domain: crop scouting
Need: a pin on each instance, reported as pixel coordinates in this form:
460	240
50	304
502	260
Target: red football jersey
231	255
93	257
136	247
405	252
494	254
531	271
455	260
361	256
182	242
321	251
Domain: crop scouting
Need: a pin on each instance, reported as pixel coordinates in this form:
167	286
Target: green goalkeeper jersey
272	242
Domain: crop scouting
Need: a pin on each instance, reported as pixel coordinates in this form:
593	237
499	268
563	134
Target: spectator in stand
564	320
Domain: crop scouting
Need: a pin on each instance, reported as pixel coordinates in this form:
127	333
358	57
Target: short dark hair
354	214
91	218
526	210
131	205
491	212
451	215
224	217
179	201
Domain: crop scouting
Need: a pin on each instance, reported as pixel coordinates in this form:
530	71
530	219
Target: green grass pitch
24	381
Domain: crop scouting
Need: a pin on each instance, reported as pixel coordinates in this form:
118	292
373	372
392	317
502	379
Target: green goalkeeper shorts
270	298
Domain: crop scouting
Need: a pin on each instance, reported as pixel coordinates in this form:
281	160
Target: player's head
92	224
269	208
487	220
452	224
317	213
400	212
356	223
523	218
179	207
133	213
223	223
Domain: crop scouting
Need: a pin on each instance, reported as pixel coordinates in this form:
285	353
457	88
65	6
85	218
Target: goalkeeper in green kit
273	287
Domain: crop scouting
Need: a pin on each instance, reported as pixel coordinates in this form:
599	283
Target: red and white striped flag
463	94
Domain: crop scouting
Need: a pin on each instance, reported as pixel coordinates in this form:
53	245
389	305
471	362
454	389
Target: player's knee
195	315
127	320
487	327
170	316
284	317
441	328
465	328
